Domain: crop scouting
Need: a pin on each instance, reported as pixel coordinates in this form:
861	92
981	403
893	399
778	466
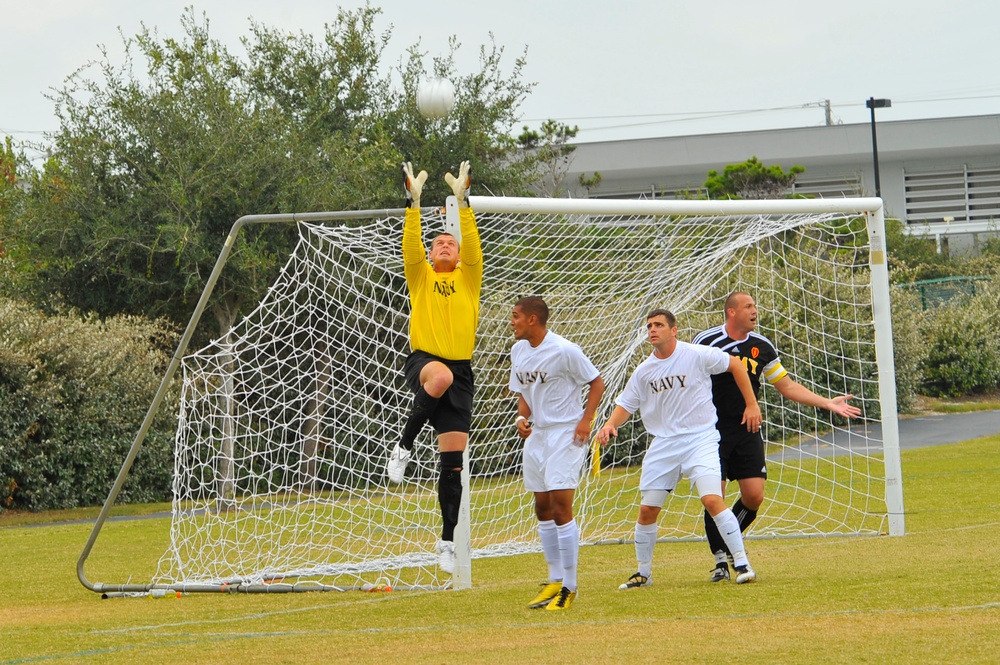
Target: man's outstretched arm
795	391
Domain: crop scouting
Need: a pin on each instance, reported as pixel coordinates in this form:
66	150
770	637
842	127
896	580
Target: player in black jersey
741	451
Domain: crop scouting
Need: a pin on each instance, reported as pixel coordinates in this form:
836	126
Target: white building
940	176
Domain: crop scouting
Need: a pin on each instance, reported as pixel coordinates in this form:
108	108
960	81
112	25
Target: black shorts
741	454
454	411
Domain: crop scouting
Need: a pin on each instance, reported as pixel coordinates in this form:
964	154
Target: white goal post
286	423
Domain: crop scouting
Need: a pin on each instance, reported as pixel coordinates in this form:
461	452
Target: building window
659	193
826	188
957	195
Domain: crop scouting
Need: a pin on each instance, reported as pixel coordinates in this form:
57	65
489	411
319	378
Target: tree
478	128
751	180
548	153
591	183
14	169
12	164
150	170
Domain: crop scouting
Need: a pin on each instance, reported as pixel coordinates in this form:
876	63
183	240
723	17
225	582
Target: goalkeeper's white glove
413	185
460	185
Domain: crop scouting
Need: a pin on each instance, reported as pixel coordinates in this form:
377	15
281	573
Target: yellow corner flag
595	458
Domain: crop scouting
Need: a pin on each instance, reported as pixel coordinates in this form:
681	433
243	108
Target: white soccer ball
435	98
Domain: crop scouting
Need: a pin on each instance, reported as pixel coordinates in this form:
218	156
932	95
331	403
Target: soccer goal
286	423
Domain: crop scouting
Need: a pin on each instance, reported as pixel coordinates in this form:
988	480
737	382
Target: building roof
826	145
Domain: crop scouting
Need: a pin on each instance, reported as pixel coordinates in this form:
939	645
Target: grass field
928	597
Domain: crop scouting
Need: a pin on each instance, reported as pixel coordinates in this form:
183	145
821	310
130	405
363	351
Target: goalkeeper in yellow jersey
444	286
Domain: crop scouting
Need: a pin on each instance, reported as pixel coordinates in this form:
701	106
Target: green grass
982	402
927	597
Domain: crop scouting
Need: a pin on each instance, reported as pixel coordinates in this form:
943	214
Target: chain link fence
937	292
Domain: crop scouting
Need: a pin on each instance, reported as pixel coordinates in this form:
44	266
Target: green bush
963	355
75	391
915	257
909	346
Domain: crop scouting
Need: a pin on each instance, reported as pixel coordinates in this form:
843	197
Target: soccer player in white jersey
549	374
741	453
672	390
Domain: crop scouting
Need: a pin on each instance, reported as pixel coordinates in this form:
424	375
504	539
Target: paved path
931	430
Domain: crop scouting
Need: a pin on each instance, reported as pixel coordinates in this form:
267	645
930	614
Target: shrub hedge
73	391
963	355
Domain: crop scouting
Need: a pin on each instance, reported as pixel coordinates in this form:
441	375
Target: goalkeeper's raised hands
413	184
460	185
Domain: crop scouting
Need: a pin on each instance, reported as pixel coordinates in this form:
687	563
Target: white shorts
552	461
665	461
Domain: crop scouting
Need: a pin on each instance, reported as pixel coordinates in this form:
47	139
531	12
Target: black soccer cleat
637	580
720	573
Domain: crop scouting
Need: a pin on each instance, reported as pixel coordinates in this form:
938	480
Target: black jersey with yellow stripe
759	357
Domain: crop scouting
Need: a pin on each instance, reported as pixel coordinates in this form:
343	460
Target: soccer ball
435	98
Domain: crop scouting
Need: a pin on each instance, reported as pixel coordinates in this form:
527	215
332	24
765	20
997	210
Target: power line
24	131
687	116
697	115
682	116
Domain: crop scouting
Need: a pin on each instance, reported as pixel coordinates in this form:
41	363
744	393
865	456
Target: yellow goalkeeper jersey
444	306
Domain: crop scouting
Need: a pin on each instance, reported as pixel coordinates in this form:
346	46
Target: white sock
645	540
548	534
729	527
569	550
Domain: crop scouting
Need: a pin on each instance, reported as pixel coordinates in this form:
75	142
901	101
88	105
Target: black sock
450	493
715	541
744	514
420	412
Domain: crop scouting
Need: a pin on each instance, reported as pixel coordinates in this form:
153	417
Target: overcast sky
625	69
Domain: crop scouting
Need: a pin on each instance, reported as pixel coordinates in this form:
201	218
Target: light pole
873	104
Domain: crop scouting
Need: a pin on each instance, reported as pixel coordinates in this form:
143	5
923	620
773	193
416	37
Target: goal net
285	424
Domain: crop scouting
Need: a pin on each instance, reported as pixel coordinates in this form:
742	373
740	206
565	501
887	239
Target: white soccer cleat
745	574
446	556
395	468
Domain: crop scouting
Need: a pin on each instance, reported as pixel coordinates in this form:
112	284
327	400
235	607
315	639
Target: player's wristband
519	419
